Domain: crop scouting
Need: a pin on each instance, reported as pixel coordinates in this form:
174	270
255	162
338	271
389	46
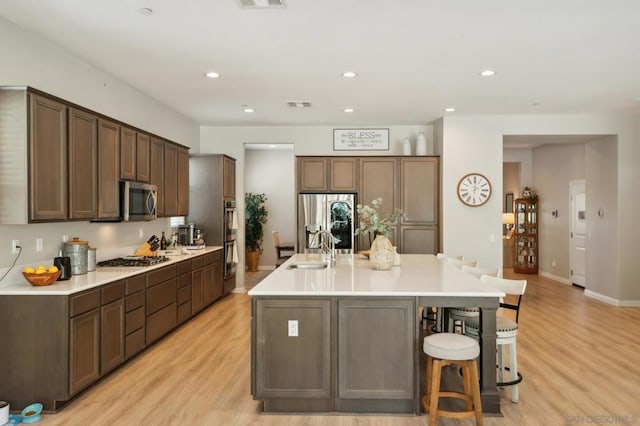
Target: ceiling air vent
262	4
299	104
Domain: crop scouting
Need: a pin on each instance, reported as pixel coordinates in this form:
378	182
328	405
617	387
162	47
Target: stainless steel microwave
138	201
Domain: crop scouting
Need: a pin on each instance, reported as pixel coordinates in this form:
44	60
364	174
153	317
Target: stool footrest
512	382
447	413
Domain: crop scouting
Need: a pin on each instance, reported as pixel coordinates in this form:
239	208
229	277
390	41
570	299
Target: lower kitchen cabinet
197	291
84	350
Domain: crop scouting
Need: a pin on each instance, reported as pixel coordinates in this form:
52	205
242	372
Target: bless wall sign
360	139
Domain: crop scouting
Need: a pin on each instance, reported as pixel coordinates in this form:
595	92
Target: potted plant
255	216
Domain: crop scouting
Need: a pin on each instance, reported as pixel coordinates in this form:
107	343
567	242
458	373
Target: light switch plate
293	328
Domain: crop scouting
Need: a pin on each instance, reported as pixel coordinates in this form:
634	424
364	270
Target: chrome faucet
327	245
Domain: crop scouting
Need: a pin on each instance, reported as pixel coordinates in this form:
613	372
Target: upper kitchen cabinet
419	183
378	179
83	166
156	171
228	177
134	155
183	181
170	180
48	159
335	174
108	169
142	157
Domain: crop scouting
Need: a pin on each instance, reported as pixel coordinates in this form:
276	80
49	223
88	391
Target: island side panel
488	390
293	373
376	354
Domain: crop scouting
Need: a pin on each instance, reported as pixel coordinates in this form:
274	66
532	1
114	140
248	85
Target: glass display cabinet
526	235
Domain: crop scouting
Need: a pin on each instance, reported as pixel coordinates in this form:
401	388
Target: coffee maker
190	235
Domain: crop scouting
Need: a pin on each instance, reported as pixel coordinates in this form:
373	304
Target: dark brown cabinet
183	182
84	340
48	159
335	174
112	326
108	169
228	177
83	164
161	304
156	171
128	153
312	174
526	236
142	157
378	178
134	340
197	290
183	298
170	180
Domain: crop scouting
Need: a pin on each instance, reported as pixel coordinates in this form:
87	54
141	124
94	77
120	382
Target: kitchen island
345	338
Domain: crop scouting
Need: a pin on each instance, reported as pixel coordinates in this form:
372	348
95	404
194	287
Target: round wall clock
474	189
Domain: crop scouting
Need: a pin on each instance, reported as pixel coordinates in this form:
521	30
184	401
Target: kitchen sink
308	265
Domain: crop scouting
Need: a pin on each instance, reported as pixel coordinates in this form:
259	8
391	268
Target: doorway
578	225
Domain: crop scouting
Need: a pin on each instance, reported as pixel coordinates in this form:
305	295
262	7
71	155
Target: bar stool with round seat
444	349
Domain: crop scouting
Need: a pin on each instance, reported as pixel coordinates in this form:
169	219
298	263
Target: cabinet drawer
134	320
84	302
184	267
160	275
134	301
160	296
197	262
134	343
112	292
184	312
160	323
184	280
184	294
208	258
135	284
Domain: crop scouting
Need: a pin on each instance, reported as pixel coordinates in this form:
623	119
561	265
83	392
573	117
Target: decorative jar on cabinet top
382	253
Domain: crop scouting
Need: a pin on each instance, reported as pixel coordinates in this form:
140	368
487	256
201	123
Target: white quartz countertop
353	275
101	276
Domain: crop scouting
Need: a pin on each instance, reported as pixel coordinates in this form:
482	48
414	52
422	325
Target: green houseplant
255	216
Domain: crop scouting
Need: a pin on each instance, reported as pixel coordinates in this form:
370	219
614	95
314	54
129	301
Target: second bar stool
444	349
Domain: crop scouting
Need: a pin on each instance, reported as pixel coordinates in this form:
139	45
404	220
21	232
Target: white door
577	254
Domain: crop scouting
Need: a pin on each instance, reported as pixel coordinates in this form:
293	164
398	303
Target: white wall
27	59
553	167
307	140
525	158
475	145
272	172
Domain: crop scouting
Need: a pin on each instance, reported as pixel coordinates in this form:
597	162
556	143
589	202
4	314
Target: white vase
406	147
421	144
396	256
381	253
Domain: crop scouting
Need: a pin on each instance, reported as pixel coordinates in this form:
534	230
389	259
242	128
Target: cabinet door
108	165
84	351
218	282
378	179
419	183
48	159
283	363
112	336
344	172
207	275
128	152
156	171
142	157
197	290
380	366
229	177
83	165
418	239
170	180
312	174
183	182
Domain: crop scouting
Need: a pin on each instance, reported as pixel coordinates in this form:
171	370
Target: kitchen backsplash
110	239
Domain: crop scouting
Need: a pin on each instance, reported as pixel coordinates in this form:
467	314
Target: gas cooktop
133	261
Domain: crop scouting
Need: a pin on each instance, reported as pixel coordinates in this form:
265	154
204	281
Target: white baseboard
555	278
611	300
239	290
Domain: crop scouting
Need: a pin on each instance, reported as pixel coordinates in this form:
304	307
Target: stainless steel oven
230	220
230	259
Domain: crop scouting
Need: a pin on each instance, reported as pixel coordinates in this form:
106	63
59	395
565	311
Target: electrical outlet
14	246
553	263
293	328
140	233
65	238
39	244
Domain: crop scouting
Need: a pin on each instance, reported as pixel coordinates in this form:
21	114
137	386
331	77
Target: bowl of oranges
41	275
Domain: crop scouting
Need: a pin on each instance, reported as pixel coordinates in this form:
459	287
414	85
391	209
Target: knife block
145	250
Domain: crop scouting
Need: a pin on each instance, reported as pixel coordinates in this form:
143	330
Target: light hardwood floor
579	358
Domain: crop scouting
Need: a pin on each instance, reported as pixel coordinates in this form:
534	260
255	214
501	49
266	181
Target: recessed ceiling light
349	74
450	109
212	74
248	109
146	11
349	110
487	73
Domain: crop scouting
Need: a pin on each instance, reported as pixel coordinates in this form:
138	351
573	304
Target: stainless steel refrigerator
332	212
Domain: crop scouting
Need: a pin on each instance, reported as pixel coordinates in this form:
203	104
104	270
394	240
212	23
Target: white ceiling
413	57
